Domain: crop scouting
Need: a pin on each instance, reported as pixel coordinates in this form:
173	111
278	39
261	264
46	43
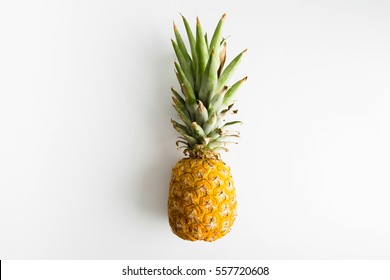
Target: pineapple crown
206	100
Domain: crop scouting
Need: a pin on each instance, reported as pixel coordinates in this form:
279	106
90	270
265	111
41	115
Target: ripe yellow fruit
202	199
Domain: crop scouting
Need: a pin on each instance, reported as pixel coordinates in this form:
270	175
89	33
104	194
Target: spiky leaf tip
208	99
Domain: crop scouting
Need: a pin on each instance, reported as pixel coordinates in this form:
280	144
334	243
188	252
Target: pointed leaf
180	43
216	102
213	145
192	141
209	80
226	74
222	59
210	124
179	79
232	123
183	114
191	39
198	130
202	53
178	96
179	127
217	36
229	96
221	116
185	63
215	134
191	103
201	113
186	87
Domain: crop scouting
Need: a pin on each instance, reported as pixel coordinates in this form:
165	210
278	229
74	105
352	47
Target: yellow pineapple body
202	199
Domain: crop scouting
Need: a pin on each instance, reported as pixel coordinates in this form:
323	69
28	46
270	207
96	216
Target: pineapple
202	198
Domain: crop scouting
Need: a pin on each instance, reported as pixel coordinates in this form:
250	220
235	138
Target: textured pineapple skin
202	199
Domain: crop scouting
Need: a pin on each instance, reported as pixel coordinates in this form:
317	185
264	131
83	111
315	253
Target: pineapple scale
202	199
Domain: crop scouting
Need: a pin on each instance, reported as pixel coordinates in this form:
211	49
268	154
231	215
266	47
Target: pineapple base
202	199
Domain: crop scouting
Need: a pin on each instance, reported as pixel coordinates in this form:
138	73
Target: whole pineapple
202	198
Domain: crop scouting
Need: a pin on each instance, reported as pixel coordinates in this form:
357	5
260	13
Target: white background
86	144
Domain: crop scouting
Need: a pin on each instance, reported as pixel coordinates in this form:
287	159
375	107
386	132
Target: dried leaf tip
174	27
245	51
200	103
244	79
197	21
223	16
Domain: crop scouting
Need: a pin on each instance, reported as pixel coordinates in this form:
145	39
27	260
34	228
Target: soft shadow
152	196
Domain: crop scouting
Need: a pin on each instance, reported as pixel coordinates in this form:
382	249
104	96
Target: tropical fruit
202	198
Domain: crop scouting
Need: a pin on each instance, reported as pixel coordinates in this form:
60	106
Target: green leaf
219	144
215	134
210	124
180	43
198	130
179	104
201	113
186	87
229	96
179	79
216	102
191	103
182	129
213	145
202	53
177	95
191	39
182	112
226	74
232	123
209	80
222	115
185	63
217	36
